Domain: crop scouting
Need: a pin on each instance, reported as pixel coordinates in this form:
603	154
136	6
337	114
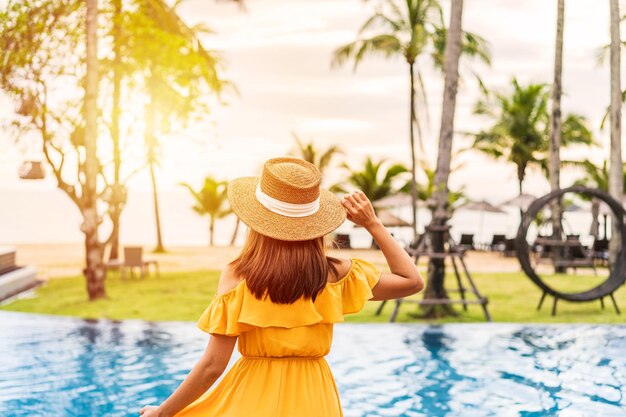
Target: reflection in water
64	367
437	377
52	366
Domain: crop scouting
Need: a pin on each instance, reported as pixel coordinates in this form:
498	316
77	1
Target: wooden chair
133	258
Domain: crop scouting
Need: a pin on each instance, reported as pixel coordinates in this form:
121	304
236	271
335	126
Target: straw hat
286	202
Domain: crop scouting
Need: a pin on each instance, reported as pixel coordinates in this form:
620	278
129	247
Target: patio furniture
575	256
617	275
498	242
467	241
133	258
7	260
600	251
14	278
509	247
481	207
342	241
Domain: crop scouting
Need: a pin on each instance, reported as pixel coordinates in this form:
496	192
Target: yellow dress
282	371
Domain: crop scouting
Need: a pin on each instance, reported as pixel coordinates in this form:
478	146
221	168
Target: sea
48	216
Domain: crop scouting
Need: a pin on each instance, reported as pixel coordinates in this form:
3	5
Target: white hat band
287	209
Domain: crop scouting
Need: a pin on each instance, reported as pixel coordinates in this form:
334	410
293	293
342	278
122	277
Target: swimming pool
56	366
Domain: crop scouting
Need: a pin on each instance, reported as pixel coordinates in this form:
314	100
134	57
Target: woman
280	298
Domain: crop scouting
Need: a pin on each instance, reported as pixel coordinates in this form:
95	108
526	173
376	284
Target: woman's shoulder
229	280
343	267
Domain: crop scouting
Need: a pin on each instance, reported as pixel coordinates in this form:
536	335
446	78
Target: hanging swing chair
31	170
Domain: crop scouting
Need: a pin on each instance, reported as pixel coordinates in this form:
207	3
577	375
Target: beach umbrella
522	201
396	200
482	207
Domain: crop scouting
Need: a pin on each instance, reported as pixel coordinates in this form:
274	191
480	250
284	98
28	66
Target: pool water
55	366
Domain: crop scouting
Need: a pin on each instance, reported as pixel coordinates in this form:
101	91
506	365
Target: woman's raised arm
404	278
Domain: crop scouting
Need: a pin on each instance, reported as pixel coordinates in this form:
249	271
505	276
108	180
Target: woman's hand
150	411
360	209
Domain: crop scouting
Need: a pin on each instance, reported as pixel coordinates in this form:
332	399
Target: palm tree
178	74
375	180
520	132
426	191
554	160
615	156
451	70
409	29
308	152
435	290
211	200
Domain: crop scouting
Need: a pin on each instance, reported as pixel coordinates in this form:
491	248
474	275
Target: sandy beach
63	260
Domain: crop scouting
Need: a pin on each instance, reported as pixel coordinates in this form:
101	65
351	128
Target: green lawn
183	296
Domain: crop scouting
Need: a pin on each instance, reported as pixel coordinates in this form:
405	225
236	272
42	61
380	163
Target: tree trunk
555	123
594	230
446	132
116	203
520	183
616	176
94	267
211	230
436	267
157	217
413	160
554	160
151	149
235	232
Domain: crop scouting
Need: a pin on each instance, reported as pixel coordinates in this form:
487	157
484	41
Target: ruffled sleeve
222	315
238	310
356	286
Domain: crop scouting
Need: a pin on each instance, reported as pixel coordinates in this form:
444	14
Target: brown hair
282	270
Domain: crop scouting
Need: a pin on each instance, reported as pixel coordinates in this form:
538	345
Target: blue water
53	366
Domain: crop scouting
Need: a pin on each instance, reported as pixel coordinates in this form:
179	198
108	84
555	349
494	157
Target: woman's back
303	328
282	348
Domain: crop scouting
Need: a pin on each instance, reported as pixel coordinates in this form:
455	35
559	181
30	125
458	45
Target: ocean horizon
48	216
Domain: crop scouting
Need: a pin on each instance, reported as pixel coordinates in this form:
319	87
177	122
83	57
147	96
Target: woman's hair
282	270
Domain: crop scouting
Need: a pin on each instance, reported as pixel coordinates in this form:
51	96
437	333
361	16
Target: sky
278	54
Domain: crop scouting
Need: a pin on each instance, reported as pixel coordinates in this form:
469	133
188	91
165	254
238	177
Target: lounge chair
600	250
133	258
498	243
467	242
510	249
